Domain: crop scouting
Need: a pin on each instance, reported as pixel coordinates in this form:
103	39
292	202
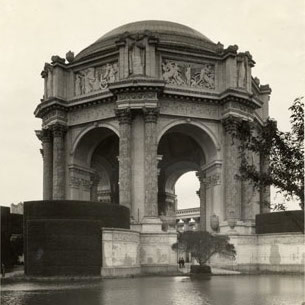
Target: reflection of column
232	182
124	117
47	151
58	161
202	195
150	162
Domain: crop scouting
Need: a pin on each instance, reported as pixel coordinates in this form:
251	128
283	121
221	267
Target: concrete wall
266	252
127	252
121	252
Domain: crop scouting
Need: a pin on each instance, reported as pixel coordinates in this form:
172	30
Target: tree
203	245
282	152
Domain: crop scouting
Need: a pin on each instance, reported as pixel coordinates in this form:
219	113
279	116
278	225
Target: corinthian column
151	162
58	162
232	164
202	195
124	117
45	136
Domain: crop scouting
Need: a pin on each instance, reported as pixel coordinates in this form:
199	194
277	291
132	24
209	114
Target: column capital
124	115
201	176
58	130
231	123
151	115
44	135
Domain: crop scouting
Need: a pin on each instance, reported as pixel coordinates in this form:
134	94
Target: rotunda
144	104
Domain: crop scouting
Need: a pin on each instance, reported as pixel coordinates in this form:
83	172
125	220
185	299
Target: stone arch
184	146
210	138
96	155
83	132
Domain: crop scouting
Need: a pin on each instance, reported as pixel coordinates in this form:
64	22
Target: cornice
138	83
51	104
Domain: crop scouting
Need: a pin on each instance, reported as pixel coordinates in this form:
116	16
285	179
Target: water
218	290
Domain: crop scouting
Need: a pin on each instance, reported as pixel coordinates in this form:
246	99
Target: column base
151	224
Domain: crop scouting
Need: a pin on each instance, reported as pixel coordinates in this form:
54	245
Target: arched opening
182	150
186	190
95	160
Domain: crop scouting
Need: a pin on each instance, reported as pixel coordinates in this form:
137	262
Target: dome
155	26
166	31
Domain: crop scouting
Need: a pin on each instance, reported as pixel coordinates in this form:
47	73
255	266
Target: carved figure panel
180	73
93	79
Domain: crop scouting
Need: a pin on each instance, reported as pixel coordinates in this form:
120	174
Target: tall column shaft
47	148
232	183
203	201
150	163
58	162
124	116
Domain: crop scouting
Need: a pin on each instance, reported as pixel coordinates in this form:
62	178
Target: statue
136	58
241	72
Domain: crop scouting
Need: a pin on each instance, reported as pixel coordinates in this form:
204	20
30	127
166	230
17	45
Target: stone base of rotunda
145	249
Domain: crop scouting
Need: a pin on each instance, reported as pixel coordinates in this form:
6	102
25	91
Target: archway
182	148
96	158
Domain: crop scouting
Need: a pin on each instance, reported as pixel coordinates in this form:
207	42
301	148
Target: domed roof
155	26
166	31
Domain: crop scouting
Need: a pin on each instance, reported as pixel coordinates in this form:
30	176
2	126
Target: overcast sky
31	31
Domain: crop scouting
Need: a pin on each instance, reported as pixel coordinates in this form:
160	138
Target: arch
176	171
211	140
83	132
88	140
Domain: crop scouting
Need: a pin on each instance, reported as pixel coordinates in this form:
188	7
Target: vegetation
203	245
283	152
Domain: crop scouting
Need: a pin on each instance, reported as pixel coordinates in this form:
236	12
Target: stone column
59	161
45	136
124	117
202	195
232	183
151	162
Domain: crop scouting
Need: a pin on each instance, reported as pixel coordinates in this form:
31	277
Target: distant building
17	208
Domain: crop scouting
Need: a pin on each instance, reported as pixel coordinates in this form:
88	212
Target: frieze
188	109
95	78
98	112
239	106
178	73
137	96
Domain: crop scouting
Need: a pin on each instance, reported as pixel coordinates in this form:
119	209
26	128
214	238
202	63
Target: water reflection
218	290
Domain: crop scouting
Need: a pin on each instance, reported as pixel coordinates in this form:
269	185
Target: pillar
124	117
203	201
232	182
58	161
151	162
45	136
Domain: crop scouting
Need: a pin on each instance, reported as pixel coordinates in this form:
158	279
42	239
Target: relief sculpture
93	79
189	75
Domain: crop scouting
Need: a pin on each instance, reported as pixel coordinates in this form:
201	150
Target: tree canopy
283	152
203	245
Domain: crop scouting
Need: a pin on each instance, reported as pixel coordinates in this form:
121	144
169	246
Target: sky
32	31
